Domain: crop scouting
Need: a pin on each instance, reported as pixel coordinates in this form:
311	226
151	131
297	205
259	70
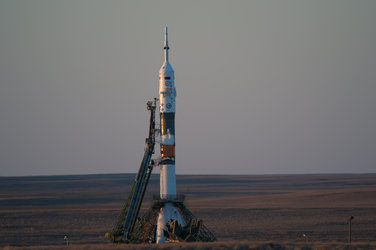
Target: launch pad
130	228
145	229
168	219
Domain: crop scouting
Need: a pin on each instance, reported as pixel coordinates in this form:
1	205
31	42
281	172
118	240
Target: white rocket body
167	108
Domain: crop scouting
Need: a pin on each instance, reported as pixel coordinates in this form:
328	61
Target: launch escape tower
168	219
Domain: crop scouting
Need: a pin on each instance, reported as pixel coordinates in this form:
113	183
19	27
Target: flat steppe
292	209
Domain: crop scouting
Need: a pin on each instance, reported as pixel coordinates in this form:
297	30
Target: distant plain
298	209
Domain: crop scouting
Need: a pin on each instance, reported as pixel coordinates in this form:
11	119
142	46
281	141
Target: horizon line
103	174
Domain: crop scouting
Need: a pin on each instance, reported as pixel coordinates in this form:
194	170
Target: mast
166	48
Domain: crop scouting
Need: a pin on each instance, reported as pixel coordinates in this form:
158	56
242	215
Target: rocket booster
167	107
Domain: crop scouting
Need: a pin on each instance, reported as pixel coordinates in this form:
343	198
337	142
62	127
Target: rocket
169	208
167	108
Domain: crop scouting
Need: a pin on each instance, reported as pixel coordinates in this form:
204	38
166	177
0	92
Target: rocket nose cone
166	67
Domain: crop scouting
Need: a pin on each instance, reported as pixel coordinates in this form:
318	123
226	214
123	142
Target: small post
66	240
305	237
350	219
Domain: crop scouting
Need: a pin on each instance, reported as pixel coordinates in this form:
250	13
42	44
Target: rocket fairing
167	108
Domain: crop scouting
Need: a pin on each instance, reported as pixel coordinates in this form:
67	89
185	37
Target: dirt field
40	211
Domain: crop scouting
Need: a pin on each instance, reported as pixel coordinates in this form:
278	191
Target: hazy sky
263	87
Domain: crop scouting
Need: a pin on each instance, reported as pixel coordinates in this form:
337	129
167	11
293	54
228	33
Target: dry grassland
244	212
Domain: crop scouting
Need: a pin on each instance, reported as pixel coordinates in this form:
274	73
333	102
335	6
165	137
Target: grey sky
264	87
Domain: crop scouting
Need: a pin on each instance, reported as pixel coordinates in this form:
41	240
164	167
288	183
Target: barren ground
240	210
